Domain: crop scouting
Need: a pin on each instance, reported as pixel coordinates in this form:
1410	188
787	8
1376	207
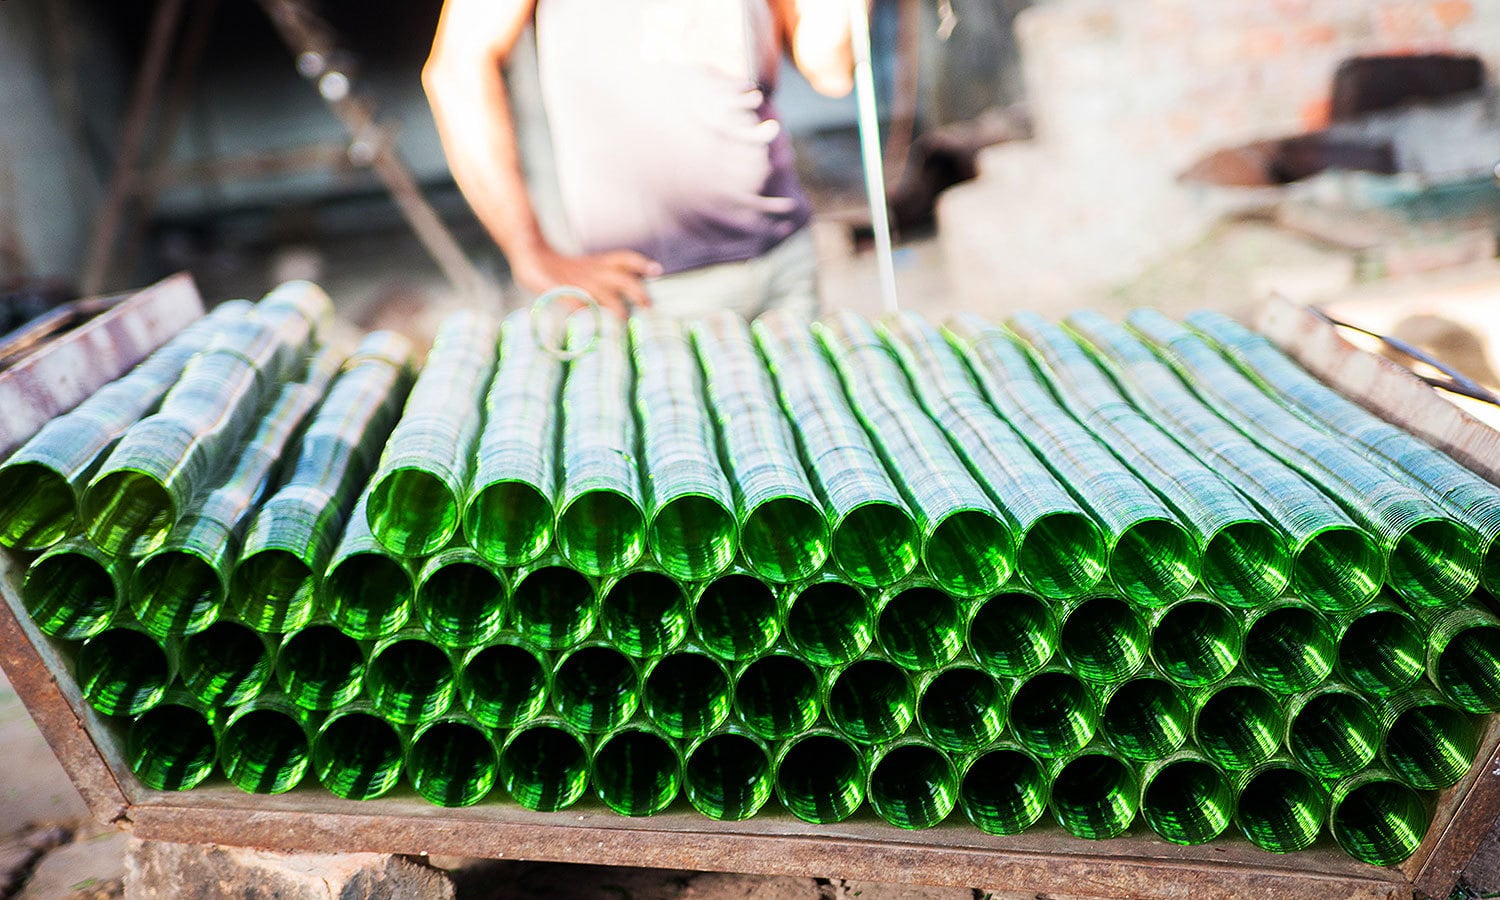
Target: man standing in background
676	174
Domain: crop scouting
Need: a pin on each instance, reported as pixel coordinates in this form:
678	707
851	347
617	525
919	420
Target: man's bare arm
465	85
818	34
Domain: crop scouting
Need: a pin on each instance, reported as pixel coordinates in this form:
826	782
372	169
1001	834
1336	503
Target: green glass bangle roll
829	621
1145	718
1053	713
1003	790
912	784
737	616
637	770
123	670
1426	741
1094	792
319	667
506	683
226	665
1463	657
1280	807
173	746
1237	723
1381	648
777	695
423	472
1059	550
870	701
1185	798
357	754
1289	646
266	745
452	761
1375	818
409	679
461	598
783	534
508	515
874	538
727	774
595	688
601	519
74	589
1152	558
961	708
967	545
820	777
545	764
644	613
367	591
1335	564
1195	641
1332	730
552	604
687	693
42	483
919	626
1102	639
1013	635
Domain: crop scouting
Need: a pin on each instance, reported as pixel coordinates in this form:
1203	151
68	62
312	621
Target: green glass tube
777	695
226	665
1377	819
1433	558
912	784
1094	793
919	625
1013	635
164	462
553	605
961	708
644	613
505	684
1245	560
1332	731
183	586
820	777
1185	798
686	693
172	746
320	667
1463	657
601	519
967	544
1381	648
829	621
1335	564
123	670
1426	741
424	469
357	754
42	483
727	774
452	762
1052	713
507	510
73	590
1237	723
874	538
1195	641
1289	646
1059	549
409	679
1145	718
1152	558
545	764
266	745
637	770
871	700
595	688
1279	807
783	535
1473	500
461	598
1003	790
737	616
1102	639
367	591
690	522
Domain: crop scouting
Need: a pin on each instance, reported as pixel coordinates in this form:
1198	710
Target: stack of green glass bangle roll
1112	571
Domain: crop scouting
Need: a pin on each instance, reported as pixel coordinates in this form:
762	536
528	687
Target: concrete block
90	867
156	869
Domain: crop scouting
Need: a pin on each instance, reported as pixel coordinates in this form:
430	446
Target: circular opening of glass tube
451	763
1377	819
961	709
1052	714
912	786
777	696
273	590
225	665
461	603
264	751
1187	801
369	595
1013	635
1467	667
1154	562
69	595
554	606
545	766
737	616
1246	563
1334	732
1196	643
509	523
1280	808
970	553
1094	796
1062	555
357	756
637	773
1238	725
123	672
412	512
876	544
920	628
728	776
1146	718
601	532
1338	568
785	539
1429	744
171	747
410	681
644	614
595	688
176	592
1382	652
37	507
504	685
820	778
830	623
1289	648
320	667
128	509
1004	791
1103	640
871	701
1435	562
694	537
687	694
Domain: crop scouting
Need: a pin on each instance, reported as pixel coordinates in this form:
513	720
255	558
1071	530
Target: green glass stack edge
73	590
366	590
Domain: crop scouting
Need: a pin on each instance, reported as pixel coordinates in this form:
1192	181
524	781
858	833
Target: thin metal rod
869	144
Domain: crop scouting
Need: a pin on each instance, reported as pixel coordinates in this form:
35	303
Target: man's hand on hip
616	280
